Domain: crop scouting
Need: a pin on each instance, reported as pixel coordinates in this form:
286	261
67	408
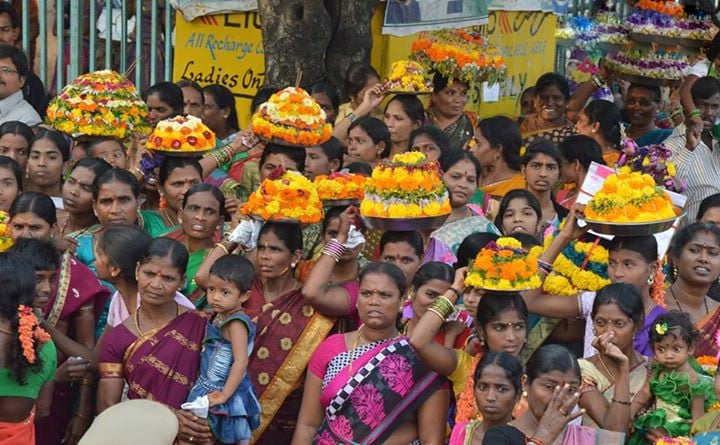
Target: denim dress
235	419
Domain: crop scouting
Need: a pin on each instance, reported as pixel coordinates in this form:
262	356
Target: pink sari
162	364
374	393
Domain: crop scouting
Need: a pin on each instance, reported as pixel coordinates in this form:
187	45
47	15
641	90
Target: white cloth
700	69
586	302
247	233
355	238
699	168
15	108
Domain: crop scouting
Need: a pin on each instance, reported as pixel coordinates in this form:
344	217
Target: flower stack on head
580	267
629	196
459	54
407	186
5	233
611	28
653	160
407	77
503	265
656	66
181	135
291	117
102	103
285	196
341	186
580	32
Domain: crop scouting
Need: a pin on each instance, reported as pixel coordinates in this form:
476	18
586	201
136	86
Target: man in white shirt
13	72
695	152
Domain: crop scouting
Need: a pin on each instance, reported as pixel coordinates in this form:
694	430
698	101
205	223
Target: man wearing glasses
13	72
10	33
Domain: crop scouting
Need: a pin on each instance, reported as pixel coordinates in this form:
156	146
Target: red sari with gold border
289	331
160	365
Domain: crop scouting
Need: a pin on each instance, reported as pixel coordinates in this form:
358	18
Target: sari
160	365
611	158
593	379
288	332
655	136
706	430
495	192
76	290
553	134
444	242
19	433
369	391
459	132
708	326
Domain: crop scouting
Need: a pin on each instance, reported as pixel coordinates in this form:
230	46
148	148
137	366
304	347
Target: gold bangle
139	175
434	311
80	416
87	382
222	246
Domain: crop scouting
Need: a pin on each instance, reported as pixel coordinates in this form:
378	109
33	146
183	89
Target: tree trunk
296	34
321	38
352	40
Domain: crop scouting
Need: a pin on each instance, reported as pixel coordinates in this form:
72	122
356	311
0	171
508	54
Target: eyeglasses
7	70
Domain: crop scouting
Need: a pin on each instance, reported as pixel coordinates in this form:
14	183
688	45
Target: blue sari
656	136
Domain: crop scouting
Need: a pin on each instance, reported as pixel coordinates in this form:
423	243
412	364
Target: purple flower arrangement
659	65
646	21
653	160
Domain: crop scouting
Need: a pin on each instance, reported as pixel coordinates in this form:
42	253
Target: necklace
169	219
137	318
607	370
672	292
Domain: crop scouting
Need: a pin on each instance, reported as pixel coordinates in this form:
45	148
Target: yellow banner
225	49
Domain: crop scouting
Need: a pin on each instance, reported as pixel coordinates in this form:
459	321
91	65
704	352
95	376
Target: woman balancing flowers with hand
501	322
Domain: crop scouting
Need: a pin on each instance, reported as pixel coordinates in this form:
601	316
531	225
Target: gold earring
650	280
675	272
524	394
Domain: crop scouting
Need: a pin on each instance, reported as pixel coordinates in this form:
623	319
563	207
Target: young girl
519	212
681	393
234	408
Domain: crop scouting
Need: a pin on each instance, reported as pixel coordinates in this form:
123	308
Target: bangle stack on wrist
545	267
223	247
222	155
694	113
442	307
334	249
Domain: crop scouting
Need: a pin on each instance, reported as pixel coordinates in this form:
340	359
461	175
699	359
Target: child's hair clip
662	328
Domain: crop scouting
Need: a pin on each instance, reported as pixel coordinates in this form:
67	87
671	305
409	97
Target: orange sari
496	191
18	433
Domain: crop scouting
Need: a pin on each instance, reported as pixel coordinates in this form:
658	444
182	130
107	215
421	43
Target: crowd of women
125	285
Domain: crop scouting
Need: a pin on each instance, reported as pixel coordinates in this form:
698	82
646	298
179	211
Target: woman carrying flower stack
447	110
501	321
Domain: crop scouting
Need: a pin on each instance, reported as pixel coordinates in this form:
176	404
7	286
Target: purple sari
374	394
162	364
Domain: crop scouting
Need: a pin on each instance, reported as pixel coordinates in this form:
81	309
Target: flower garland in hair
466	406
29	331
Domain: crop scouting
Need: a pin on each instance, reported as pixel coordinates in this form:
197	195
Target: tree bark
352	40
296	34
323	38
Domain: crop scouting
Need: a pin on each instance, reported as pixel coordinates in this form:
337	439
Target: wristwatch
351	117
